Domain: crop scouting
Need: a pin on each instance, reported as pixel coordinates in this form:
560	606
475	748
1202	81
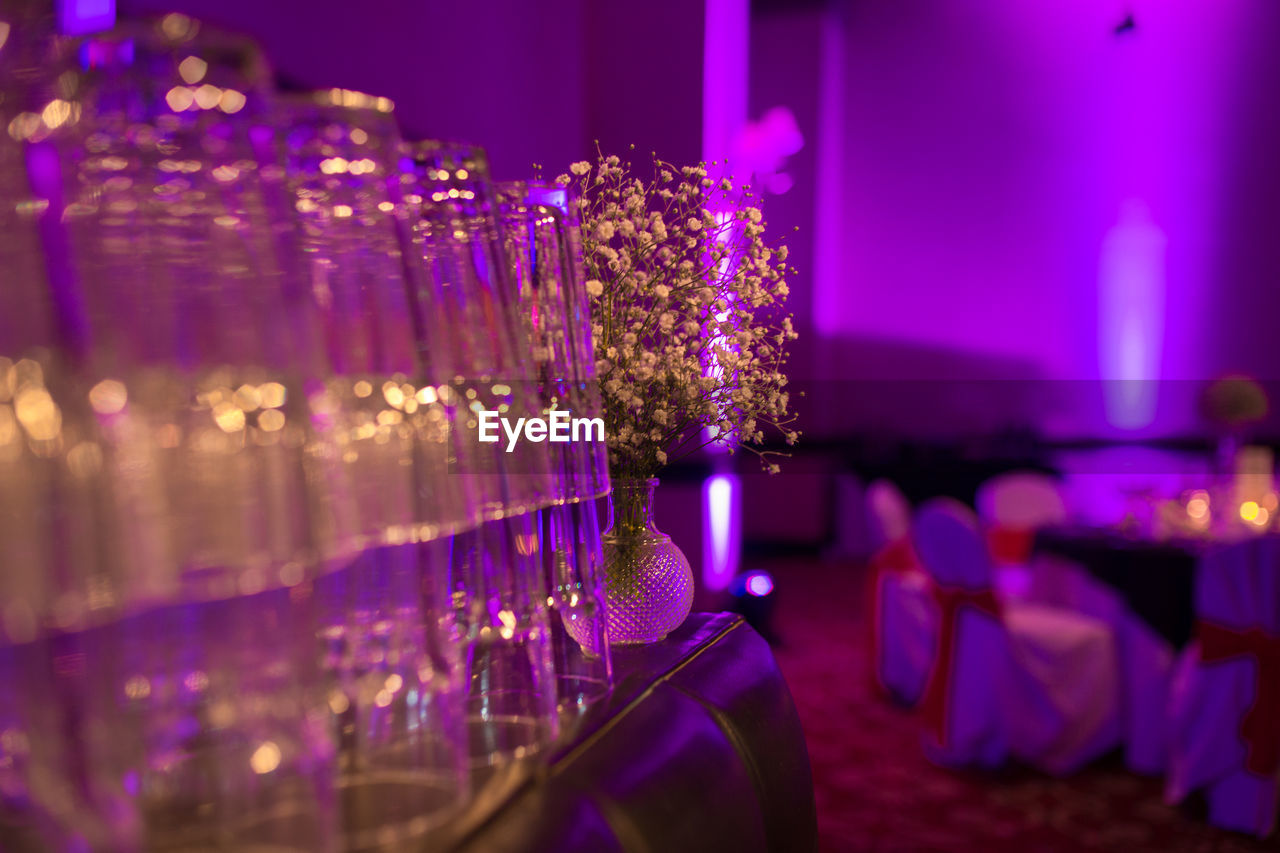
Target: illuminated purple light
720	530
77	17
725	235
724	108
759	584
724	75
1131	313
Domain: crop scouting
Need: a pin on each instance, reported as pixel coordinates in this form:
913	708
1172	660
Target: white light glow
722	547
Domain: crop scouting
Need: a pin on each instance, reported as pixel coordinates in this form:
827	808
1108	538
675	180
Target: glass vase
649	581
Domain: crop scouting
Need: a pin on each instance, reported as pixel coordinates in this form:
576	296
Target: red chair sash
895	556
933	706
1010	546
1260	727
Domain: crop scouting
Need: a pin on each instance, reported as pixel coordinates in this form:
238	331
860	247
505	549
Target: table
1156	579
698	747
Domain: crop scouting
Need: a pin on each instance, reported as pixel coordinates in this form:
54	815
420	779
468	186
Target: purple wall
1246	255
643	83
963	189
1021	185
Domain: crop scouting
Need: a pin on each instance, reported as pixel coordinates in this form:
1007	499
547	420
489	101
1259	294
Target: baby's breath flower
684	330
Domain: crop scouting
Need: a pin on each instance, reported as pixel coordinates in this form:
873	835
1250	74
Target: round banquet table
1155	579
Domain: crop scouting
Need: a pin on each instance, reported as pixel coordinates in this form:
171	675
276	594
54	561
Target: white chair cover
904	626
906	634
1225	699
1027	680
888	514
1015	504
1021	499
1146	658
1029	499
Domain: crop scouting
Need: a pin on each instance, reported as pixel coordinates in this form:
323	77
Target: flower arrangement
1234	401
687	311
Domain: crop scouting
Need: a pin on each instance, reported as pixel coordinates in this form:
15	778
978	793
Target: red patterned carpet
875	791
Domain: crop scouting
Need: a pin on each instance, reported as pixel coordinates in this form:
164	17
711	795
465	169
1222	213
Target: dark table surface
698	747
1155	578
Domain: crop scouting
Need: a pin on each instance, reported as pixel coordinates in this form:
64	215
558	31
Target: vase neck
631	507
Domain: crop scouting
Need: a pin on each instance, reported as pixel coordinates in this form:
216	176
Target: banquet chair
888	514
1012	506
1145	657
1009	678
903	627
1224	704
1021	499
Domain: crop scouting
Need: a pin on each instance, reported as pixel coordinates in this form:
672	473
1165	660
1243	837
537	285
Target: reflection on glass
500	623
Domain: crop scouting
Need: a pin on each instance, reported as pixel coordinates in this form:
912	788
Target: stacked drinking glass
261	584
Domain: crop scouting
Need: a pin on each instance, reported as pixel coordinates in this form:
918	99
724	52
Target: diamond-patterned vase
650	583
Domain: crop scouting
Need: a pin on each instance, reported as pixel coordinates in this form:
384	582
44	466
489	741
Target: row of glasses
394	688
496	580
499	594
546	291
592	468
235	424
342	154
574	557
500	623
35	798
593	457
180	637
459	232
203	351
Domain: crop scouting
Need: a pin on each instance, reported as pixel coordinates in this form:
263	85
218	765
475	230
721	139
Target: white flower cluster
687	313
